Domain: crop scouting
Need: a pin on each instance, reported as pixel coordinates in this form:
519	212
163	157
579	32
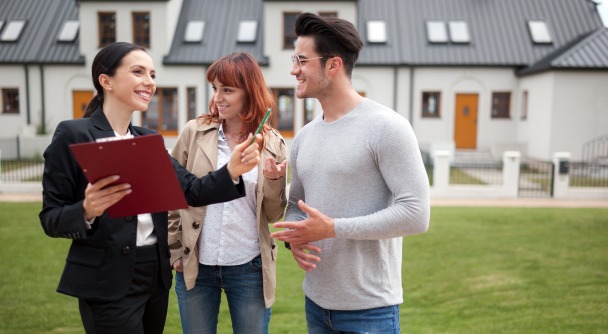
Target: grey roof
498	29
220	33
38	41
587	53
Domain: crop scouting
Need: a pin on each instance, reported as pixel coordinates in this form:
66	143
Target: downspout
395	90
412	69
27	95
42	111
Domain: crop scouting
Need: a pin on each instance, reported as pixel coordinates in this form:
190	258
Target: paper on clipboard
141	161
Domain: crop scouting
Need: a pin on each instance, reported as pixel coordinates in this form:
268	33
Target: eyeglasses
302	61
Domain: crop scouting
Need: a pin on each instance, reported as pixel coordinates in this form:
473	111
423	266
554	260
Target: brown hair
240	70
333	37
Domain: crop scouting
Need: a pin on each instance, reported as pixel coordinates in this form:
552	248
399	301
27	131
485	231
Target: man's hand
274	170
99	196
304	259
316	227
244	157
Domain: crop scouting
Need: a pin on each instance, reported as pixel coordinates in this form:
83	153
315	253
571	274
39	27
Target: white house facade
493	76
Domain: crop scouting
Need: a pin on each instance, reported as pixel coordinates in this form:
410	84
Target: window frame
141	29
275	116
110	34
500	114
291	34
191	109
424	112
13	101
158	102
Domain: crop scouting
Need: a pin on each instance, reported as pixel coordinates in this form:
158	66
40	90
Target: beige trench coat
196	149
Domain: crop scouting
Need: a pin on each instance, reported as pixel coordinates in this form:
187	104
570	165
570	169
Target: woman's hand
244	157
178	265
99	196
274	170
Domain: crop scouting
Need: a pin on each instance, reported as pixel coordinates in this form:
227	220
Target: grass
477	270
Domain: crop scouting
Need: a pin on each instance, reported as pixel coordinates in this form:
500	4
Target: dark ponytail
106	61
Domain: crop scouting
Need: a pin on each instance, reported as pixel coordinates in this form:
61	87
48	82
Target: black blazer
101	260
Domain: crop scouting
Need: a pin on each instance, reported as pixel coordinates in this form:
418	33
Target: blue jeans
378	320
199	307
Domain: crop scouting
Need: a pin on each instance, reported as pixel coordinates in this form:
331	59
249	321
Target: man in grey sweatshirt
358	186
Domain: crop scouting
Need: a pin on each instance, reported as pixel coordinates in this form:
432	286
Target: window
289	30
191	102
539	32
376	31
69	31
107	28
1	24
194	31
162	112
309	110
524	105
248	32
459	32
431	102
283	119
501	104
328	14
13	30
436	32
10	100
141	29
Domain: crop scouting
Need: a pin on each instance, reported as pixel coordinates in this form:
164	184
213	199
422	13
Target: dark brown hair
332	36
106	62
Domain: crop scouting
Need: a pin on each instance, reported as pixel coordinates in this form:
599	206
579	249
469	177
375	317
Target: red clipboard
144	163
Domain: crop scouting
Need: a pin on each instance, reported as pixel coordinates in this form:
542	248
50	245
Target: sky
603	10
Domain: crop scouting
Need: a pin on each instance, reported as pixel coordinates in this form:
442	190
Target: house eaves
38	43
222	20
590	52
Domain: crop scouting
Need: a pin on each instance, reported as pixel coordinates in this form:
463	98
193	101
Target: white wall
580	111
13	76
452	81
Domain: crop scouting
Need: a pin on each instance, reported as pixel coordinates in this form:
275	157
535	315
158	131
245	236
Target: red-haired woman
228	246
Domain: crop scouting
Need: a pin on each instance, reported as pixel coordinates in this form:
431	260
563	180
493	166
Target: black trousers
142	311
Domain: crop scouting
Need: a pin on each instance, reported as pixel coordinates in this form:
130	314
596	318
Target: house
487	75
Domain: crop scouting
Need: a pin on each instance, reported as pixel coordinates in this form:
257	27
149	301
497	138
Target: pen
261	125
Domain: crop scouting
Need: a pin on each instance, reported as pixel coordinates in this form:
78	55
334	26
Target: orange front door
465	124
81	99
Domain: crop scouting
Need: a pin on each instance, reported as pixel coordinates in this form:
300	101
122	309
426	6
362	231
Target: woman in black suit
119	268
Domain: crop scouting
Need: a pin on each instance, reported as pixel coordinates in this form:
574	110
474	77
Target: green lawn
477	270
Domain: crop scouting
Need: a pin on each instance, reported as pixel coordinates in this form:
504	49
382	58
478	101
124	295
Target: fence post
441	171
561	174
510	173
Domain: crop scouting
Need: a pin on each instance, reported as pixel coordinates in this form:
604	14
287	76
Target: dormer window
194	31
436	32
248	32
376	31
459	32
13	30
539	32
68	31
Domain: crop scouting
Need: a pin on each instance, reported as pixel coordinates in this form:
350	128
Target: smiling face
133	86
312	79
228	100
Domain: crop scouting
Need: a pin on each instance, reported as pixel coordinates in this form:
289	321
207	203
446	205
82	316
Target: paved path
511	202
